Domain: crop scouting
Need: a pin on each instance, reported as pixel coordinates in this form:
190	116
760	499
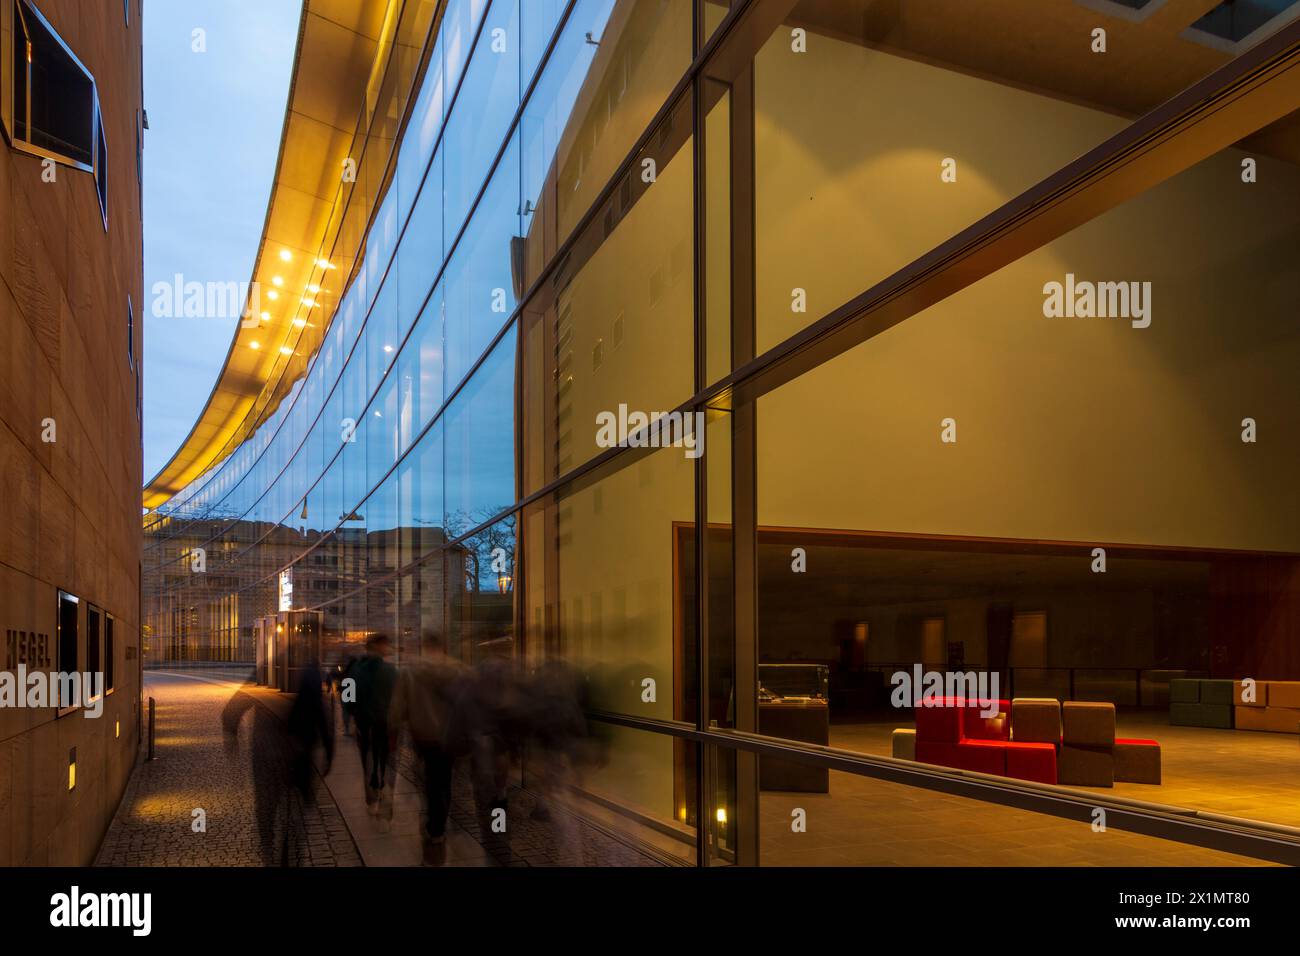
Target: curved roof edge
338	42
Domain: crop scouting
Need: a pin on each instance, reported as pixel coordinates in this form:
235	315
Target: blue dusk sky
209	157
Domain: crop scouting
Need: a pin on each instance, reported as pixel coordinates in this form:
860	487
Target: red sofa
952	732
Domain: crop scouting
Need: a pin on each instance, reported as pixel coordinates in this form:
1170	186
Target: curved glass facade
749	355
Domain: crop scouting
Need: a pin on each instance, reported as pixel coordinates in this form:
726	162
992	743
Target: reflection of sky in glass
480	443
475	295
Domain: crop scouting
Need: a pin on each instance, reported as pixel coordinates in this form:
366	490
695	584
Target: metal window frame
106	662
62	596
99	649
100	158
8	25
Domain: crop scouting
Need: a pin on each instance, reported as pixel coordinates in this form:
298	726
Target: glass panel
1064	481
480	439
622	316
482	114
420	255
611	71
480	278
634	782
620	591
482	617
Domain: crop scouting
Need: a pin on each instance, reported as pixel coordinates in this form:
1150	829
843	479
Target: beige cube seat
1086	766
1239	691
1088	724
1284	693
1137	761
904	744
1036	720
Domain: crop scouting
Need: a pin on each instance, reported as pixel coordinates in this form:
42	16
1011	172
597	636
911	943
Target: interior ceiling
1045	46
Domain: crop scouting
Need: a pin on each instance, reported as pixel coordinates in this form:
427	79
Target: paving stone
244	792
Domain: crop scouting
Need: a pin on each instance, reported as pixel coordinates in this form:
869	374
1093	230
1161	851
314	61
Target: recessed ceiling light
272	295
285	350
309	303
286	255
266	316
277	281
300	322
255	345
313	289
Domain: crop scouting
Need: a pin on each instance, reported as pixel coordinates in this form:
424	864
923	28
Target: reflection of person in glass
376	679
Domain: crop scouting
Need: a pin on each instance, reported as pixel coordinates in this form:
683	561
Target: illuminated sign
286	590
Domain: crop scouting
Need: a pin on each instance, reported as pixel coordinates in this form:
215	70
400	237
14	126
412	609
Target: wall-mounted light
72	768
722	815
117	728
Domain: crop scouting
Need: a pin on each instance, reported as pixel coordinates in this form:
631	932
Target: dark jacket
376	680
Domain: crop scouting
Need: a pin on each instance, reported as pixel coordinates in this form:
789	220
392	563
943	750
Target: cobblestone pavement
242	798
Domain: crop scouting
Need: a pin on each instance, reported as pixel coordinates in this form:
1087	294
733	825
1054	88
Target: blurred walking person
557	735
375	680
270	754
426	693
311	724
347	692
